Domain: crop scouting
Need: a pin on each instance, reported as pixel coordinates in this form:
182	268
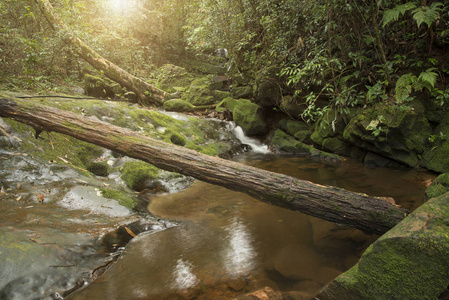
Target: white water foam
254	144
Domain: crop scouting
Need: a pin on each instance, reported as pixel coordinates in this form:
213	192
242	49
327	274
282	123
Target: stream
228	243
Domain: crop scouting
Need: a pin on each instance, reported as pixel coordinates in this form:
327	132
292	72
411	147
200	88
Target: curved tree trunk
334	204
146	93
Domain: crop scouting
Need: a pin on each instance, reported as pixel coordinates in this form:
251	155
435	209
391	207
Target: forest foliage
329	54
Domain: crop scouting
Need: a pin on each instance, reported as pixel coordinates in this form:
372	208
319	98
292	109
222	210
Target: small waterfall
254	144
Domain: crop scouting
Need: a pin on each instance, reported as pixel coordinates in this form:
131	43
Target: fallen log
330	203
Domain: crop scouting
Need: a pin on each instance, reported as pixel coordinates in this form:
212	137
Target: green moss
408	262
292	126
230	103
250	117
283	142
439	186
178	105
99	168
135	172
178	139
120	197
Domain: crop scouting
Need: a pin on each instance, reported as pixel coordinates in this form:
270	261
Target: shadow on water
228	243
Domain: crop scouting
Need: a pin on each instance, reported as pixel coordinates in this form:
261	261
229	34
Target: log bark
334	204
146	93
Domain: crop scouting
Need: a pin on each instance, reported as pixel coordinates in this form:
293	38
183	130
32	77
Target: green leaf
404	86
427	14
394	13
428	77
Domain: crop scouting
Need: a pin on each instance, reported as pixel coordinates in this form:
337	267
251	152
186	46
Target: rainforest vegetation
326	55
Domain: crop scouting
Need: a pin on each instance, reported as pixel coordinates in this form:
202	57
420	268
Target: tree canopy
328	54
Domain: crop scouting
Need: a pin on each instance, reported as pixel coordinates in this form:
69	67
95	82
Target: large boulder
199	92
396	133
172	78
267	91
436	155
410	261
250	117
101	87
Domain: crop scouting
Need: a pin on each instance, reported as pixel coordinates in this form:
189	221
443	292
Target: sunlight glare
120	5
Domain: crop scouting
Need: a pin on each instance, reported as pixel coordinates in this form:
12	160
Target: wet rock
330	237
267	91
438	187
308	287
397	134
408	262
89	198
242	92
250	117
263	294
296	295
297	262
178	105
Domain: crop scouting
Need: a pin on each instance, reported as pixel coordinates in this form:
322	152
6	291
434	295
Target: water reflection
228	243
183	275
240	254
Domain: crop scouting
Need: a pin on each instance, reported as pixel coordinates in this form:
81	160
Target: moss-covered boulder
266	90
410	261
396	133
99	168
291	105
436	155
242	92
282	142
439	186
250	117
178	105
221	95
199	92
101	87
300	130
171	78
134	172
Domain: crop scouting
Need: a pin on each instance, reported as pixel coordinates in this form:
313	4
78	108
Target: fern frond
428	78
427	14
394	13
404	86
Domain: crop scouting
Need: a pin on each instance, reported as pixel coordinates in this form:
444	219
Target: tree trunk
334	204
146	93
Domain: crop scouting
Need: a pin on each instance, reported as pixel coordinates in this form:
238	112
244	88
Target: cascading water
255	145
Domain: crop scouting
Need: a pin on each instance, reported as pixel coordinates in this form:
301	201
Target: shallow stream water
228	243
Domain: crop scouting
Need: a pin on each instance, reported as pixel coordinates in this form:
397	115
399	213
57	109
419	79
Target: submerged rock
408	262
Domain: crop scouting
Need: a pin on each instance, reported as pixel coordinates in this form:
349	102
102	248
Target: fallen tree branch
334	204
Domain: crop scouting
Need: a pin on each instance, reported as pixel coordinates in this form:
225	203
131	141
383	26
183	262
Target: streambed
228	243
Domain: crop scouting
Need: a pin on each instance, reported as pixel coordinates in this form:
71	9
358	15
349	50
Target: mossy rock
285	143
100	87
121	197
199	93
291	105
178	139
172	77
292	126
220	95
99	168
178	105
438	187
408	262
436	156
324	129
336	146
242	92
135	172
230	103
266	90
399	134
250	117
